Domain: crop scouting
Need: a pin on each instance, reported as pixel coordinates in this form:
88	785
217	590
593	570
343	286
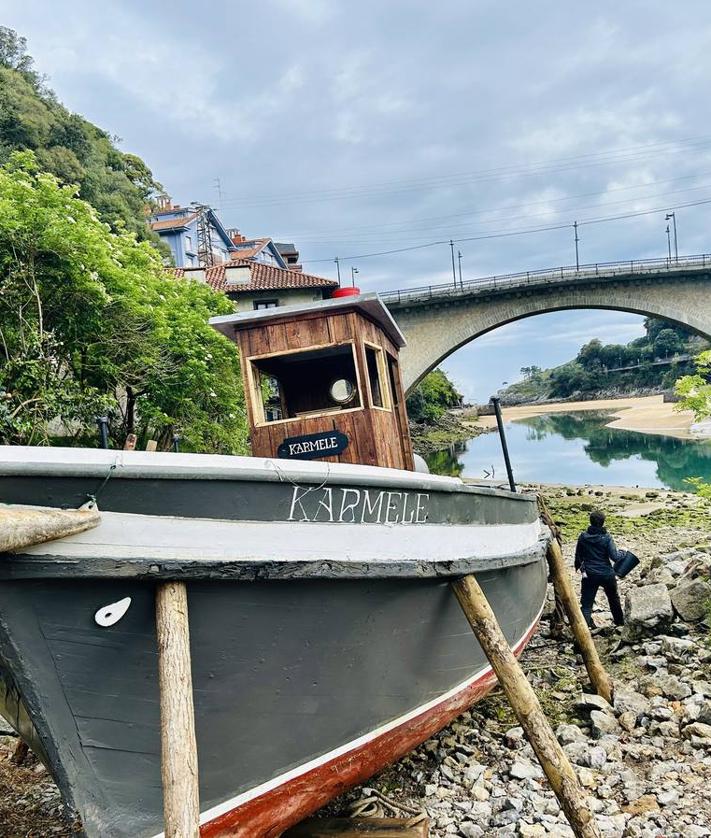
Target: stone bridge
438	319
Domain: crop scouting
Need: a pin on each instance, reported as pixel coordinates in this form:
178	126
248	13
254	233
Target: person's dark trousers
589	590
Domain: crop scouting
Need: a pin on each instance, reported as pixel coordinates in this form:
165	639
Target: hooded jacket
595	551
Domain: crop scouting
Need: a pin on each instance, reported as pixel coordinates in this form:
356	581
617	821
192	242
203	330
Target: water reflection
577	448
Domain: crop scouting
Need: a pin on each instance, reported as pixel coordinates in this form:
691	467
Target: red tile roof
262	278
248	252
173	223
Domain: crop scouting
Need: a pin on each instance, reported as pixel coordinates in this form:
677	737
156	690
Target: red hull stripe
297	795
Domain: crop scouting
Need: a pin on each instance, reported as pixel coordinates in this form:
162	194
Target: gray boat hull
305	682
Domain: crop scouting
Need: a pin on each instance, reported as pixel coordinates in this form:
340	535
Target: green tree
120	186
434	395
90	322
666	343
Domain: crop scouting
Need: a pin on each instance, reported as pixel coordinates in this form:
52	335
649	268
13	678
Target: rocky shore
645	760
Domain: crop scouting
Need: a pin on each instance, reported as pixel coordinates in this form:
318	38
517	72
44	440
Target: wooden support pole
525	704
600	680
23	526
179	764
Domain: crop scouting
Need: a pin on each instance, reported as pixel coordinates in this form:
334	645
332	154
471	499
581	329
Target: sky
353	129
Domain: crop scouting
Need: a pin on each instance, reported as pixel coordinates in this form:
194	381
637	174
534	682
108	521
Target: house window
376	376
189	243
258	304
303	384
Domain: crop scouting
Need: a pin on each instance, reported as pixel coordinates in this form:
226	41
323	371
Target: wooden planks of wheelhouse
323	381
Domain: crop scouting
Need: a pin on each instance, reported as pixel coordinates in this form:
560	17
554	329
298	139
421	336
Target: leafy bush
434	395
90	323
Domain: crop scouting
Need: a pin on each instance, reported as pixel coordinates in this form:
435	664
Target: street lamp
672	215
354	271
668	245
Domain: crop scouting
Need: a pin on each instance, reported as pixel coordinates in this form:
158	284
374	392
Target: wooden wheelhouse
322	381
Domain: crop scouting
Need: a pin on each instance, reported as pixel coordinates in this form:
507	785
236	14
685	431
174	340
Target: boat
326	641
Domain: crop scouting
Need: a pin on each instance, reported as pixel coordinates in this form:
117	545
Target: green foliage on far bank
90	323
648	364
432	397
116	184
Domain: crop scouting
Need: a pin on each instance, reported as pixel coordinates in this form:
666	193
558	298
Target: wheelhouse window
302	384
375	363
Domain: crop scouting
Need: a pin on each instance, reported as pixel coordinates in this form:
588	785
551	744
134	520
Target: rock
515	738
630	701
690	599
603	723
666	797
697	729
628	720
569	733
679	648
662	683
588	702
521	770
704	714
470	830
645	803
647	608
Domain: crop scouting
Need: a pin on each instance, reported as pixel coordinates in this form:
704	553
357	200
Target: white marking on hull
109	615
235	802
129	536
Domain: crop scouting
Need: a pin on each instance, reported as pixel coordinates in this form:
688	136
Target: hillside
647	365
118	185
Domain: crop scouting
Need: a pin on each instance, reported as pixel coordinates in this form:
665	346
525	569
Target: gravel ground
646	762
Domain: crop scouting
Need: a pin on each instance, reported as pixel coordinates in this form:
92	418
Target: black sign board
313	446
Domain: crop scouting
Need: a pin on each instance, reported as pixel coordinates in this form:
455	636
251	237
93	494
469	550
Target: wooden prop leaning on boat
525	704
23	526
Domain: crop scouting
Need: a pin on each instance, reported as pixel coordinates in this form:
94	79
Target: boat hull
335	650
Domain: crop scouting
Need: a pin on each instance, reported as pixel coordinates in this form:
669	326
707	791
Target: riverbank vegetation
433	423
649	364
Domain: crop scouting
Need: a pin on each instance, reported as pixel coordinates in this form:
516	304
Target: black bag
626	562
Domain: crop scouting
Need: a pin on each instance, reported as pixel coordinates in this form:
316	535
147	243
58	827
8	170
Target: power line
449	227
520	232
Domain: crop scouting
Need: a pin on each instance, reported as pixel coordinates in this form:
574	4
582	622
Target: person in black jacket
595	555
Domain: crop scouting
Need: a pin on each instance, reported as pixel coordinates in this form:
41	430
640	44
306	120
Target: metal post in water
103	423
502	436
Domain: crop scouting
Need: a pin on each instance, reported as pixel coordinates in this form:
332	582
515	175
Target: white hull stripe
235	802
130	536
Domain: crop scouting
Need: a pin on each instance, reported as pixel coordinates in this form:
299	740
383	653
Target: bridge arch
438	326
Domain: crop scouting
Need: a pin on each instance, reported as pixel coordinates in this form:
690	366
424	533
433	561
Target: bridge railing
569	273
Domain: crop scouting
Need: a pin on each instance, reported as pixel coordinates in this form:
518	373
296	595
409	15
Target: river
575	449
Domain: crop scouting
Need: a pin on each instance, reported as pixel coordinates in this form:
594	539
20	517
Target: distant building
254	284
194	234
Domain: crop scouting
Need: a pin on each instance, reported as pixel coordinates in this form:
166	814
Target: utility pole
672	215
454	272
206	257
668	245
459	257
577	239
338	268
354	271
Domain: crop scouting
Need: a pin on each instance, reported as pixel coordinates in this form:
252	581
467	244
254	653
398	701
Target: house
195	234
262	250
254	284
